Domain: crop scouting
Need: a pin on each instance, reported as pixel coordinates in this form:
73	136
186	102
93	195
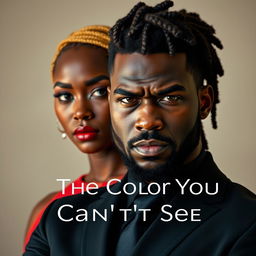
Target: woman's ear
206	99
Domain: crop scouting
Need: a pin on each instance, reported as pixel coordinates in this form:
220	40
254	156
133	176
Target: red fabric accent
68	192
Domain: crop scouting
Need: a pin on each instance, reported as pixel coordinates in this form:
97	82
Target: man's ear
206	99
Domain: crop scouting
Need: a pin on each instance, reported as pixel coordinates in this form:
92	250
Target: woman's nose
83	111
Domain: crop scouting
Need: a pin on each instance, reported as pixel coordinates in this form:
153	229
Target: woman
80	78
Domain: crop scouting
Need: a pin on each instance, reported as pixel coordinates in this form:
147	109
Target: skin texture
80	89
139	102
77	104
80	84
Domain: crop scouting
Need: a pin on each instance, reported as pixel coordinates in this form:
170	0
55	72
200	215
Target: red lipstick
85	133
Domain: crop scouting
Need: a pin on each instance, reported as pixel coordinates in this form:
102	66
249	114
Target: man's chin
150	171
150	164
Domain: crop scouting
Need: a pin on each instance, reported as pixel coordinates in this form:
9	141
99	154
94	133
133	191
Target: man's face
154	105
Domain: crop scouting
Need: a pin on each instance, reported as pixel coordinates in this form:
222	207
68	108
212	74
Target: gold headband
95	35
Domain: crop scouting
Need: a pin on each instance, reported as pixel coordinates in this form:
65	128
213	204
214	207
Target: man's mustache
147	135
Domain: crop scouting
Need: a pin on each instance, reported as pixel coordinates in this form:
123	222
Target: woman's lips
85	133
150	148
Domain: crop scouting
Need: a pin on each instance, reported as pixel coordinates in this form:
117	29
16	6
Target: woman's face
80	90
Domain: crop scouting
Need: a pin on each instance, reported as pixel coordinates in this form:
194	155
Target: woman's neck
105	165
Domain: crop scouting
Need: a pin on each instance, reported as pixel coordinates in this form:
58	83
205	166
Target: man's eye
64	97
100	92
171	99
128	101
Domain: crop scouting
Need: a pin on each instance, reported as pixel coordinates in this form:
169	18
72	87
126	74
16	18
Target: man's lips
149	148
85	133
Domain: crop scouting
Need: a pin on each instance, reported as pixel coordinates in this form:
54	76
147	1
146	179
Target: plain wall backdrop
33	154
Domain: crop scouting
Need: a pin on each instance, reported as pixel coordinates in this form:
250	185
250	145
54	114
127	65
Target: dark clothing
227	226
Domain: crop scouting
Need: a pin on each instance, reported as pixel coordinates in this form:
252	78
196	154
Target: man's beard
163	172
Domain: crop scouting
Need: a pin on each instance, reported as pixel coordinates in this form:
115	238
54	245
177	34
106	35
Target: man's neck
195	153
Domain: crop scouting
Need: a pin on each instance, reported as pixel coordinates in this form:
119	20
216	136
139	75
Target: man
174	200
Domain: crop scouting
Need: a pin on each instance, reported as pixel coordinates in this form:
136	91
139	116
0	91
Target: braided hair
94	36
149	30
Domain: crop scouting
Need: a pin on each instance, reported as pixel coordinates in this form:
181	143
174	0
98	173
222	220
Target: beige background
33	154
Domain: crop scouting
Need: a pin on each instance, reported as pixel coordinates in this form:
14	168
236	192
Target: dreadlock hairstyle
95	36
149	30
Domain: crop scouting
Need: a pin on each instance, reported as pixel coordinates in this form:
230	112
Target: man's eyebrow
171	89
96	80
62	85
125	93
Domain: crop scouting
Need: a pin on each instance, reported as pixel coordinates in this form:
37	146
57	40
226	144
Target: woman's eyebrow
63	85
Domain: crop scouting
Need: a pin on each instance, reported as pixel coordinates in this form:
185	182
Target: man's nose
83	110
148	118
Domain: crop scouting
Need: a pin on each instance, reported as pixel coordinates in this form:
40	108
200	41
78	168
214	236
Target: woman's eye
171	99
64	97
99	92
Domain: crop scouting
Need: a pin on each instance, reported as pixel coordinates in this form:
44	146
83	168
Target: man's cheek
114	117
118	128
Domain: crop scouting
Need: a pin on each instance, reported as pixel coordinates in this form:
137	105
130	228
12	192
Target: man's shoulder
78	200
241	198
235	195
238	209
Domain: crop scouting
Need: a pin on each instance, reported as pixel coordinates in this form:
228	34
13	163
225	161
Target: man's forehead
136	66
155	71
